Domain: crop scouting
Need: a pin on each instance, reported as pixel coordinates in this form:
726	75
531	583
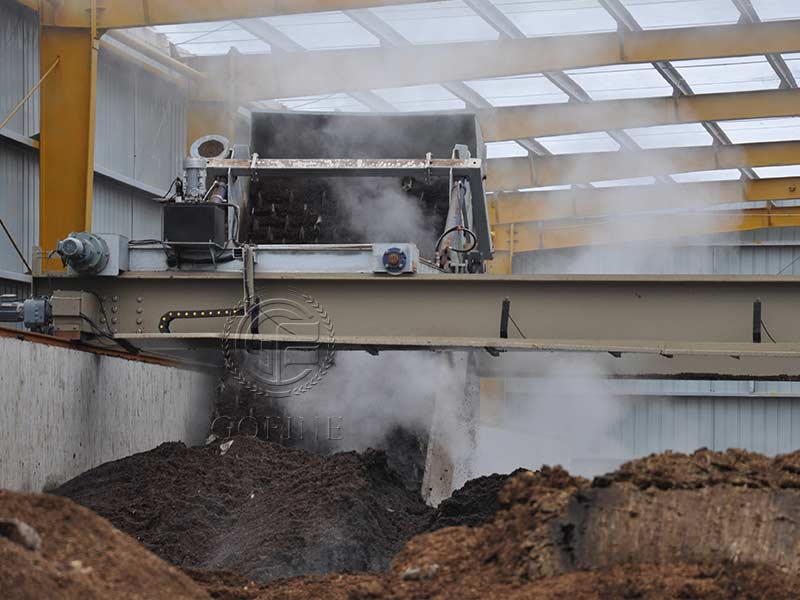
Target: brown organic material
81	557
261	509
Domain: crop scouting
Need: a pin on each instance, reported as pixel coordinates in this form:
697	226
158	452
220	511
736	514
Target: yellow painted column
67	133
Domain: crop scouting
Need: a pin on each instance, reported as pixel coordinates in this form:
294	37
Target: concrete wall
64	411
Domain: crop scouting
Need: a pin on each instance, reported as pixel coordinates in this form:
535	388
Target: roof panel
421	98
504	150
660	14
598	141
793	61
624	182
783	171
557	17
762	130
324	31
771	10
516	91
671	136
718	175
328	103
728	74
621	81
436	22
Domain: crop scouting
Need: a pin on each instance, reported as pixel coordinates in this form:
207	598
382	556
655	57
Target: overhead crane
693	325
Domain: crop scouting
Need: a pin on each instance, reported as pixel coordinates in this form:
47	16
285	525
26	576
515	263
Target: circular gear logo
279	347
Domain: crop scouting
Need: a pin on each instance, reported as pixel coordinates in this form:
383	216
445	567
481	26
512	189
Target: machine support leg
67	133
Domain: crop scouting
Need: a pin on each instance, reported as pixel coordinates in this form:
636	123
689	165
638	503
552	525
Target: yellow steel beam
276	76
575	117
67	132
528	237
32	4
117	14
520	207
528	172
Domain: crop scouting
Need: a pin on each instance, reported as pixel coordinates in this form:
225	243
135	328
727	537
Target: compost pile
265	510
71	553
708	526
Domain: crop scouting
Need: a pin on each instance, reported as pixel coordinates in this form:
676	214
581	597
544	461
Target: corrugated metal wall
19	206
684	424
763	252
141	125
141	131
19	67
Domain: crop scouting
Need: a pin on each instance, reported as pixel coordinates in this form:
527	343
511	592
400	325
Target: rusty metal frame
471	169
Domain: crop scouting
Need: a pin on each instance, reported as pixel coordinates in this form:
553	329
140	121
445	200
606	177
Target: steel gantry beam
510	174
529	237
118	14
266	76
521	207
562	119
678	317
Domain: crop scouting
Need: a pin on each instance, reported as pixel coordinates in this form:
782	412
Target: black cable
510	318
103	310
124	344
171	185
769	335
461	229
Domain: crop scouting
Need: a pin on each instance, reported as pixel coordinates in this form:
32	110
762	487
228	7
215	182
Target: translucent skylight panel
324	31
213	38
328	103
421	98
173	32
772	10
781	171
624	182
717	175
557	17
793	62
504	150
671	136
728	74
762	130
598	141
660	14
547	188
245	46
517	91
436	22
621	81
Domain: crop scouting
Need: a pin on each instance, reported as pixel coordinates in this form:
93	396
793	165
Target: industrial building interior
399	299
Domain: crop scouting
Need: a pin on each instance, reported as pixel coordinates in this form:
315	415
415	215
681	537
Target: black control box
193	223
